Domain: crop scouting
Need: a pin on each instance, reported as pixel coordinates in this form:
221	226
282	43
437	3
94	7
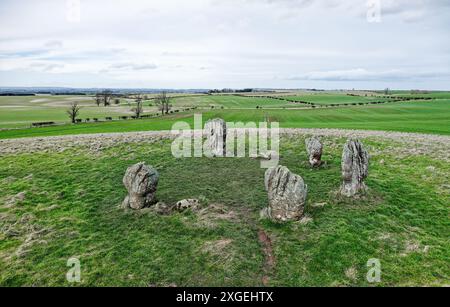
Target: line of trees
163	103
229	90
103	98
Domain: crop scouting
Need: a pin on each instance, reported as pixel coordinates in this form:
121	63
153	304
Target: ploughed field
60	197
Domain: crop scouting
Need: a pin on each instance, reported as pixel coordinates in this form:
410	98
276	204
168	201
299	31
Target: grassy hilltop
71	209
63	200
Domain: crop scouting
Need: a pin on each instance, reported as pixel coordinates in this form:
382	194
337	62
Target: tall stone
314	148
287	194
141	181
216	138
355	168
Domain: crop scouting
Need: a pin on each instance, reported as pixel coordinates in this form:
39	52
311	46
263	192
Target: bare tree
163	103
98	99
104	98
138	110
73	112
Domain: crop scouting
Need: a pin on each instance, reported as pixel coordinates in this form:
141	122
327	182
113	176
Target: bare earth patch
26	230
267	248
216	248
221	250
11	201
412	246
209	217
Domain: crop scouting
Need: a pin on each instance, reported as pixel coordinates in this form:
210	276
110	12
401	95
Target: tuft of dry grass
352	273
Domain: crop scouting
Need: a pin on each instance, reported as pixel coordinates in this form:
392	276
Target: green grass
425	117
71	204
434	95
230	102
324	99
71	209
20	112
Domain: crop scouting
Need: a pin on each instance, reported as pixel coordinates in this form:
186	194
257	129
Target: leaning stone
314	148
216	138
187	204
355	168
141	181
287	194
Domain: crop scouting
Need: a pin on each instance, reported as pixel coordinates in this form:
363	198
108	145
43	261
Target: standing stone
355	166
314	148
141	182
287	194
216	134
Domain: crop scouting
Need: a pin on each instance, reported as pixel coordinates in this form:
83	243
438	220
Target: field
332	98
418	116
71	209
60	197
20	112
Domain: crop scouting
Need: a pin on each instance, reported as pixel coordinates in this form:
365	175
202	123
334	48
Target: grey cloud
408	10
133	66
361	74
296	3
263	38
46	67
53	44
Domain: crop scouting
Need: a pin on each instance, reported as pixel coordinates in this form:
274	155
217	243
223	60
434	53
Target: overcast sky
225	43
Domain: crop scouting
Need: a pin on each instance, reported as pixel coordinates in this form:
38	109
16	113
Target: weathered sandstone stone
141	181
287	194
355	166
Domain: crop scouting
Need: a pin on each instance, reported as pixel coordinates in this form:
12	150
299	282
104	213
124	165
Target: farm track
413	143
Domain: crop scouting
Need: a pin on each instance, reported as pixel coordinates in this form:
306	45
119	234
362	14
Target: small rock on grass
318	205
186	204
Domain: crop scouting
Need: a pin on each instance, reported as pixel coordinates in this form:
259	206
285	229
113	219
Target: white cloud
133	66
46	67
236	43
54	44
361	74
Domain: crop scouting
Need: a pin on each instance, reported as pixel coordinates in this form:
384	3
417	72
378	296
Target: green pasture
419	116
